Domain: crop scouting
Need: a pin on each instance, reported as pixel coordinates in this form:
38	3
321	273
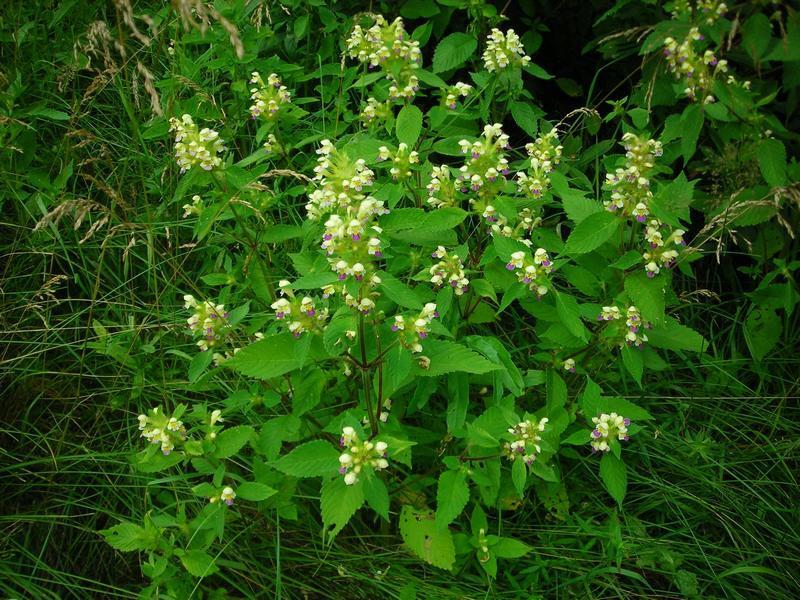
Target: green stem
365	378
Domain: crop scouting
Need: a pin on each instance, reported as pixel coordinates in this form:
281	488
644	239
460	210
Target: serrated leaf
647	295
691	125
339	502
312	459
129	537
431	544
519	475
449	357
199	364
526	115
254	492
632	359
199	563
271	357
614	476
591	233
423	221
762	330
772	161
570	315
409	125
229	441
672	201
579	207
510	548
674	336
452	495
377	496
398	292
159	462
453	51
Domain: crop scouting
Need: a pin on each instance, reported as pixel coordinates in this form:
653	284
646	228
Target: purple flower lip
422	335
476	155
355	237
342	470
510	267
342	276
641	218
327	237
311	312
229	502
297	335
596	434
626	422
279	315
395	328
650	274
545	263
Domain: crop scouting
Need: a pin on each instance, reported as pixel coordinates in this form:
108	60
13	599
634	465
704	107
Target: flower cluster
401	160
545	153
608	427
412	330
448	270
194	208
629	185
387	45
300	314
569	365
451	94
696	67
193	147
158	428
227	496
631	333
525	444
532	272
504	50
351	232
662	247
709	11
441	189
358	454
375	111
209	322
267	98
499	224
486	162
271	144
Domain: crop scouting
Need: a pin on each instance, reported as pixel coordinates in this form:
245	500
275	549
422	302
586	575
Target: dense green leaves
453	51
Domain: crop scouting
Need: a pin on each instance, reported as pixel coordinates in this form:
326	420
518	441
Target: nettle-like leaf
420	533
452	496
409	125
273	356
339	502
591	233
229	441
671	335
312	459
449	357
453	51
129	537
254	491
614	476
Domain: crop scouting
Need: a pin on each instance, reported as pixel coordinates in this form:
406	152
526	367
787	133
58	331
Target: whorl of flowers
696	67
412	331
193	147
525	443
357	455
401	160
526	221
299	314
375	111
608	427
709	11
532	272
194	208
662	247
158	428
630	332
267	98
441	188
351	232
504	50
209	322
451	94
448	271
486	162
629	185
545	153
388	46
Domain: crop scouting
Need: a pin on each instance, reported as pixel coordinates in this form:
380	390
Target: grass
712	505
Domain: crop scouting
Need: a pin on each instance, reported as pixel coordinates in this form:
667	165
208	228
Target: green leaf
453	51
409	125
478	520
449	357
570	315
312	459
762	330
614	476
229	441
756	35
377	496
452	496
271	357
772	161
579	207
199	364
526	115
647	295
457	400
275	234
632	359
591	233
254	492
519	475
423	221
627	260
128	537
674	336
398	292
691	124
199	563
537	71
671	202
510	548
420	533
339	502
